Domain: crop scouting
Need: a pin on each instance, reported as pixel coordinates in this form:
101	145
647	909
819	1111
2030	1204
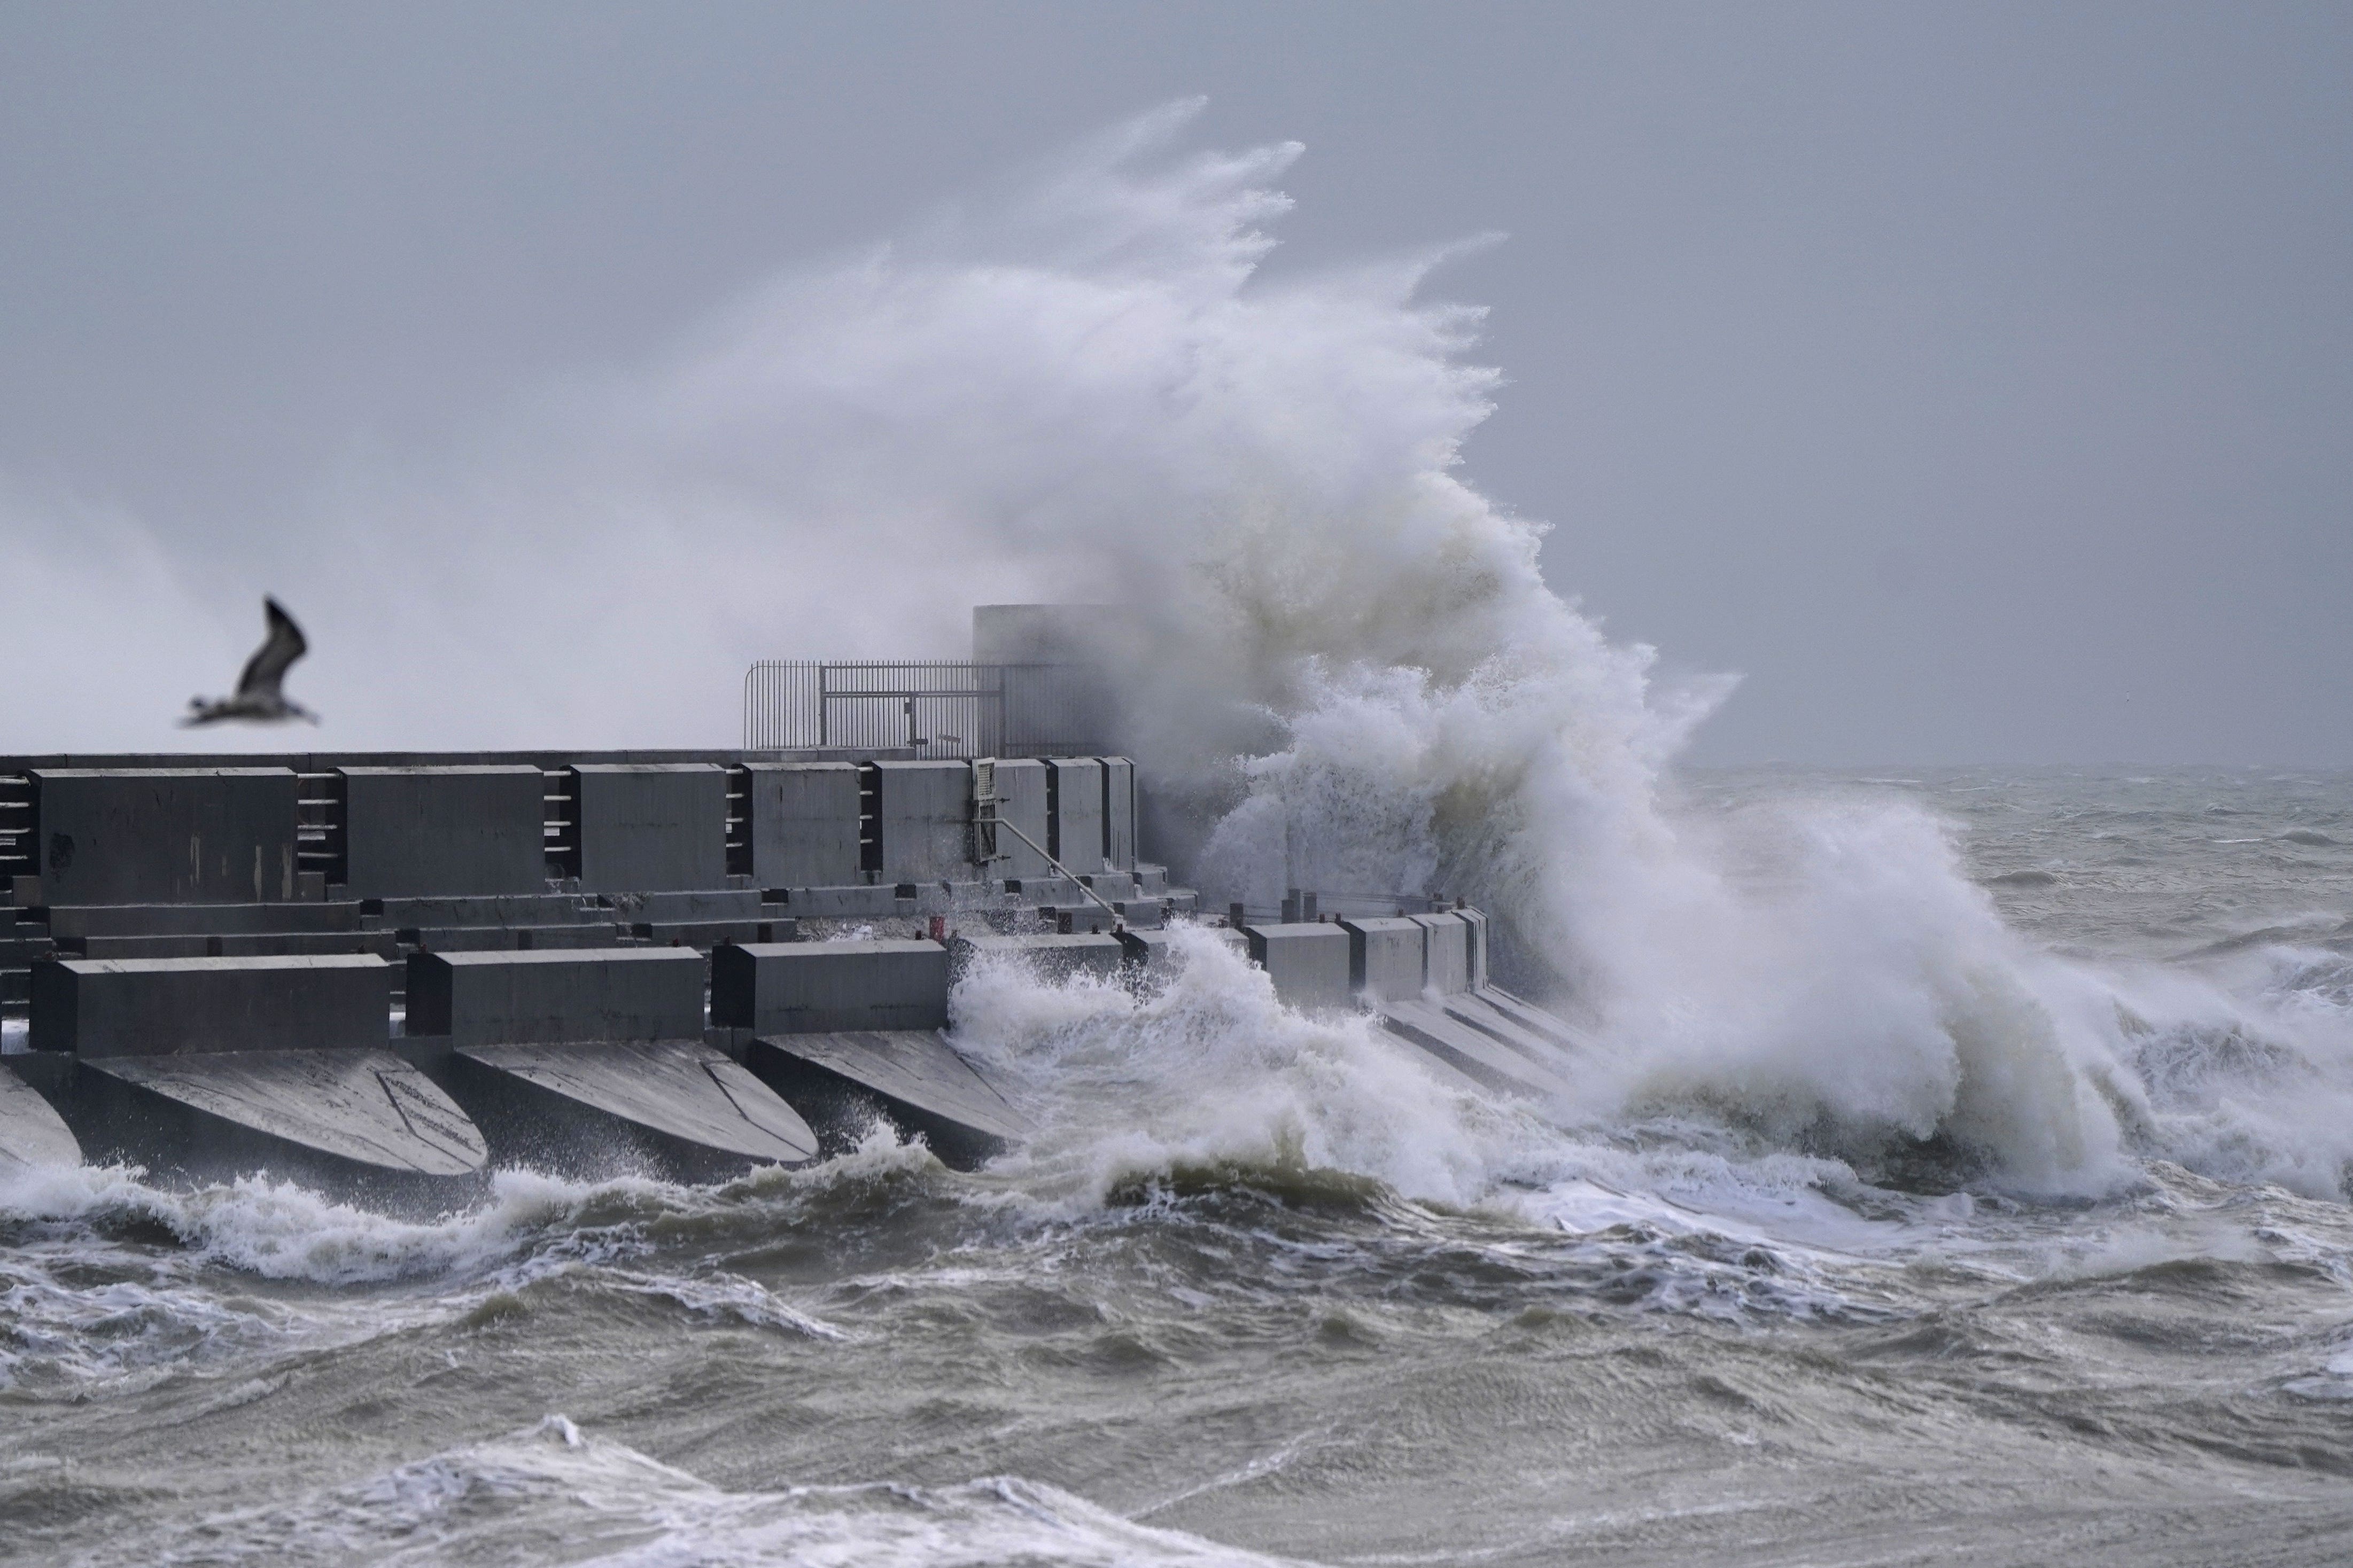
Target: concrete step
509	939
705	935
200	920
509	910
697	907
235	944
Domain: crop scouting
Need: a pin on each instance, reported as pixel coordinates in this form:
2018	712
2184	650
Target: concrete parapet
1309	963
167	835
1387	958
467	830
804	823
1449	969
1051	957
818	987
171	1007
594	994
648	826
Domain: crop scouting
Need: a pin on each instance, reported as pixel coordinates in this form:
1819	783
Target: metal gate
935	710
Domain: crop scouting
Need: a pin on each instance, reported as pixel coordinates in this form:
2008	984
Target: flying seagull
257	698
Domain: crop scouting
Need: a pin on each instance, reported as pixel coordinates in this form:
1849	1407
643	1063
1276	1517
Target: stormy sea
1798	1285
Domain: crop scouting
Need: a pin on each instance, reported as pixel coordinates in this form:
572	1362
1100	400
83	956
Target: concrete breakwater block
165	836
804	823
826	987
1074	814
324	1114
31	1132
1449	952
1309	963
922	814
646	827
1050	957
1388	959
1021	802
1152	955
447	830
581	994
592	1061
914	1077
171	1007
1476	920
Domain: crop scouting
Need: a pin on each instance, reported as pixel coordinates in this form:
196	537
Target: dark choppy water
1264	1288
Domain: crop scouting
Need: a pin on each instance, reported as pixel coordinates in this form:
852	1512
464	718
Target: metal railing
935	710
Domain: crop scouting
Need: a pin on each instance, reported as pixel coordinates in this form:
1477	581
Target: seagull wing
268	666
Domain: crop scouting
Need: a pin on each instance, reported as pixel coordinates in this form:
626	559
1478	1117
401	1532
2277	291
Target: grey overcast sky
1976	380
